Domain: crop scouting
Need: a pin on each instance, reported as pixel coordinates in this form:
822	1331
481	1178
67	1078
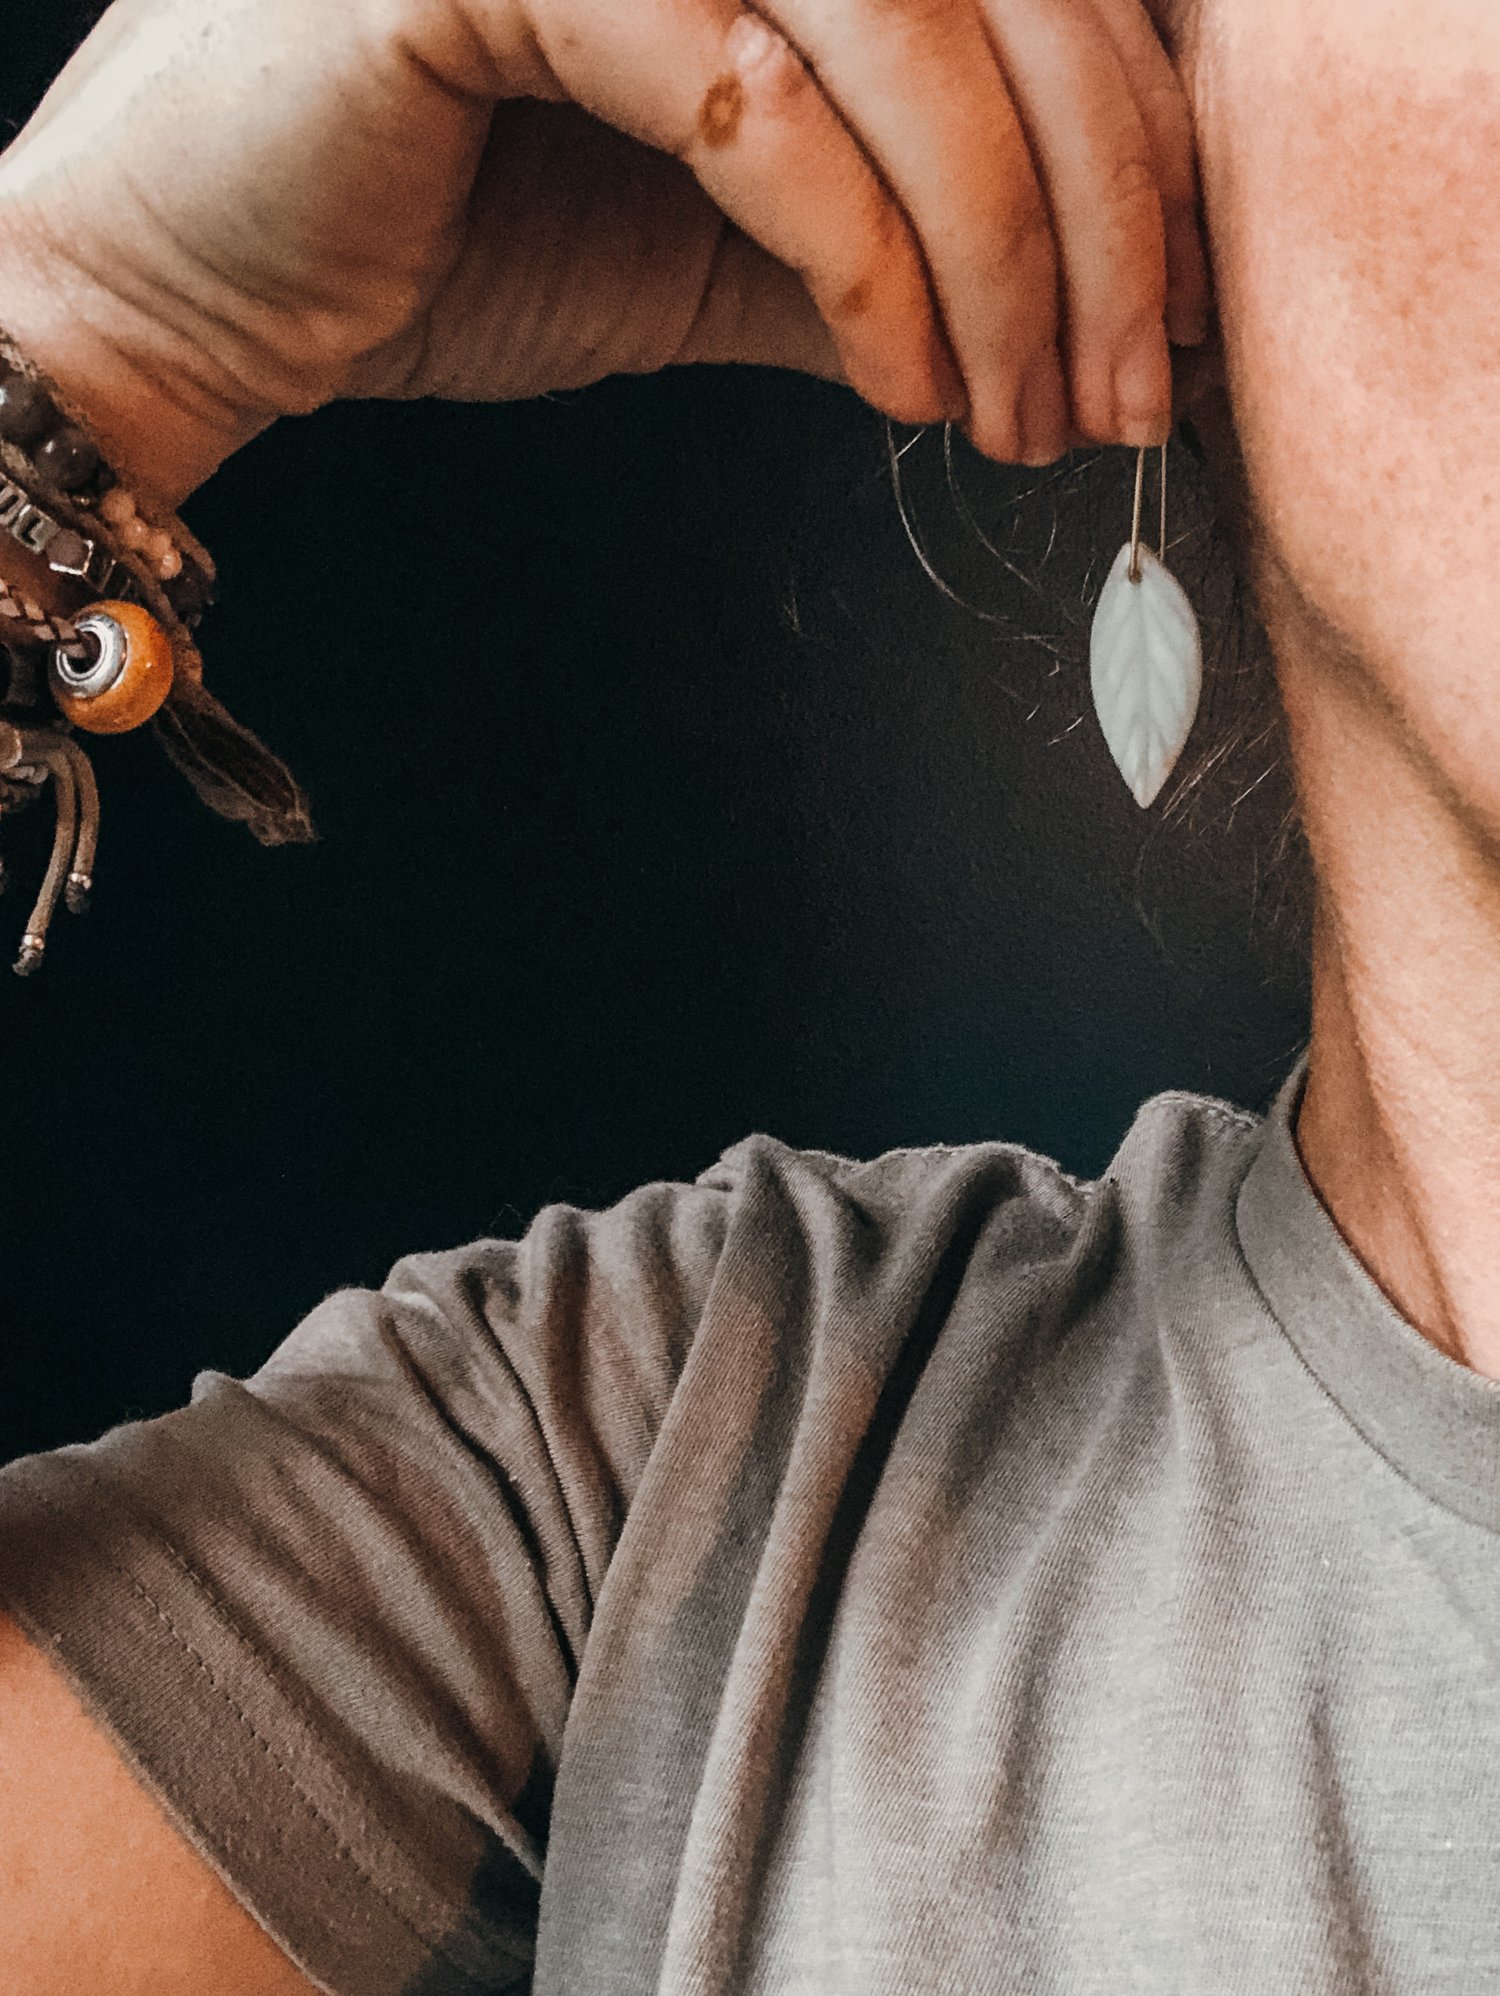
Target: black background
662	798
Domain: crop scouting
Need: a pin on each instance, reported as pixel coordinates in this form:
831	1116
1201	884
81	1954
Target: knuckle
1132	197
762	71
926	14
885	263
853	299
764	58
889	256
1024	238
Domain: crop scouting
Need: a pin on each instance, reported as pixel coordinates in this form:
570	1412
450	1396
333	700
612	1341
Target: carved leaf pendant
1146	665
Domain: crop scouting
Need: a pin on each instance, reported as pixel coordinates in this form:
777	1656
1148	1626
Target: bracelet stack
100	599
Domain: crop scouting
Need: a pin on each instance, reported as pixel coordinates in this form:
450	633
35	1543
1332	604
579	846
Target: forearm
160	425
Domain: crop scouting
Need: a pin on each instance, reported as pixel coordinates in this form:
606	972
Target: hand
228	210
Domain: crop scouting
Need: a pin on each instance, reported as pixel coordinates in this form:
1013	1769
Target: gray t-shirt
925	1577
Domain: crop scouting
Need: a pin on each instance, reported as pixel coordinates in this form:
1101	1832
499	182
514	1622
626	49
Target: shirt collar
1432	1419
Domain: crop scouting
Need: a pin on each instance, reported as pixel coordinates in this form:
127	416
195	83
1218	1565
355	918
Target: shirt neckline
1435	1421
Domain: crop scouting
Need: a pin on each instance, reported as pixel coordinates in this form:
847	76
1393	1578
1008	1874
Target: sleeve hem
204	1725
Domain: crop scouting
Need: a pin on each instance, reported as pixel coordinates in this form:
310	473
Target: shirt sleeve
333	1614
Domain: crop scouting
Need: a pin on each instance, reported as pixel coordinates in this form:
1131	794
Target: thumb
756	311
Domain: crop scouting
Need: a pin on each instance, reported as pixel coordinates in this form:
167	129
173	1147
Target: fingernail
1143	393
1187	324
1045	417
1188	291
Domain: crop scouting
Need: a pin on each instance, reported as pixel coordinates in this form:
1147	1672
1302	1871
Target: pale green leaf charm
1146	664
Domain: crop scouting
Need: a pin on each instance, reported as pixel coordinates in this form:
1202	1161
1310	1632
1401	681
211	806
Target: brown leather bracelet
48	451
100	598
50	571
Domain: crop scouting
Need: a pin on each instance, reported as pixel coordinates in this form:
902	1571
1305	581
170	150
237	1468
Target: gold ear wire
1135	523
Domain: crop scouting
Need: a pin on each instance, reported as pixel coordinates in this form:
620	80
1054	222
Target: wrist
164	432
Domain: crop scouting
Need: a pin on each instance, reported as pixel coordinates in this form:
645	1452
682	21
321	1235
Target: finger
1162	102
755	310
919	83
722	90
1100	178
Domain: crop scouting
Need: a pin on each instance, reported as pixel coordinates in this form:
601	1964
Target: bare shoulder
97	1888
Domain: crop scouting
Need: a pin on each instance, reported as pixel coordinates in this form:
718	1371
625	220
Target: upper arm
97	1888
334	1616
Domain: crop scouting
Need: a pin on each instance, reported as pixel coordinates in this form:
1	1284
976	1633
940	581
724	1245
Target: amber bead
140	687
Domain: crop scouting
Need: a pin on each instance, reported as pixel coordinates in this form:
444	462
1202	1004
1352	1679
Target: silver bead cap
87	678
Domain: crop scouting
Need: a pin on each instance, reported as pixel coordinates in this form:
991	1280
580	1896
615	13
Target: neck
1400	1125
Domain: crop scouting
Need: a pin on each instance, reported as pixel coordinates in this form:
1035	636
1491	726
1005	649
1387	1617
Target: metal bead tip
33	949
78	892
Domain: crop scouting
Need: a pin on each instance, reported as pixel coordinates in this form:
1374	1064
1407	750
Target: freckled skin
1352	176
1351	168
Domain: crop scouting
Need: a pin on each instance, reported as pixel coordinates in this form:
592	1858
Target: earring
1145	658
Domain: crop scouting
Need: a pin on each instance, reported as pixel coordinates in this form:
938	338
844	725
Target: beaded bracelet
51	449
111	593
48	568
